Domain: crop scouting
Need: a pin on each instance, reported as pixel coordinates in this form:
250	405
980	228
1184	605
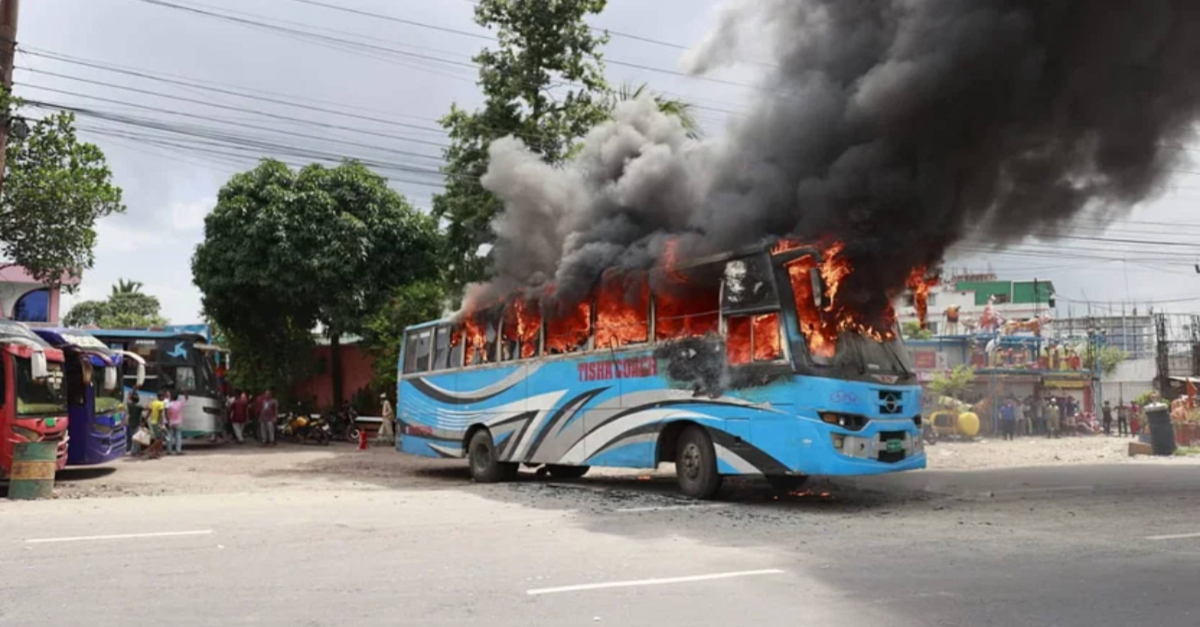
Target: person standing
1008	419
238	416
268	413
387	428
1053	419
158	410
133	413
175	425
1122	419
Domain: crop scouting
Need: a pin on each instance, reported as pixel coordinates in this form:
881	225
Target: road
1078	545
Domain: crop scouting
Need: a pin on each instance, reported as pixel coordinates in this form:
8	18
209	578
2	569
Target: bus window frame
412	343
442	362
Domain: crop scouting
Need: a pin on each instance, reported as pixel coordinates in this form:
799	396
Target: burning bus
746	363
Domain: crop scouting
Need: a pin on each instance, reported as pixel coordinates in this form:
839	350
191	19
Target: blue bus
176	362
715	365
95	396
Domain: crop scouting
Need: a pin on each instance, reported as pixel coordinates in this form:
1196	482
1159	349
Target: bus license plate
895	446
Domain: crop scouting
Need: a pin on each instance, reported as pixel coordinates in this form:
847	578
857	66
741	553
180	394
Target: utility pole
8	50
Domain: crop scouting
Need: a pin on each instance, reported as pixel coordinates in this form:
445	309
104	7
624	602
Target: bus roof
98	354
426	325
141	334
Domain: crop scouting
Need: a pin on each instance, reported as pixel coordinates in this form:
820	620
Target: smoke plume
896	126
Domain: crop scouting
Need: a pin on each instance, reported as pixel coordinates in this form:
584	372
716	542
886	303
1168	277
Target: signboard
925	360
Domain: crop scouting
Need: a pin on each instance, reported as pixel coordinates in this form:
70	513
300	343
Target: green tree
1110	358
383	332
544	45
913	331
55	188
285	251
124	308
954	383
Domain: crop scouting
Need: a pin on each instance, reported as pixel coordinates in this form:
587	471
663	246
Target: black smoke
897	126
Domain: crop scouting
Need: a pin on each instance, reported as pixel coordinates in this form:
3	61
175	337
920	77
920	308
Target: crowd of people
157	428
1054	417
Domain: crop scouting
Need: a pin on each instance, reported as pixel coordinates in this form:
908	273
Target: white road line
1174	536
654	582
665	508
123	536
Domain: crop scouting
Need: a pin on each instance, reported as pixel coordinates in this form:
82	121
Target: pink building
25	299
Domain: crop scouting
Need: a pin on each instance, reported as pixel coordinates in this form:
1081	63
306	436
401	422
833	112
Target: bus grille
890	403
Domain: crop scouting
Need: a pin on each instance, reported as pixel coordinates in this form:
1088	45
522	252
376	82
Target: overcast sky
403	77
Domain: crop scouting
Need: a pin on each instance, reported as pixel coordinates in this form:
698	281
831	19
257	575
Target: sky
159	88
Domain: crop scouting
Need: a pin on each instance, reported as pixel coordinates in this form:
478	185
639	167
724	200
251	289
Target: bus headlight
839	441
845	421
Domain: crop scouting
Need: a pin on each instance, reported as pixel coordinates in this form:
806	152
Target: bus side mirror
818	287
38	365
110	378
141	374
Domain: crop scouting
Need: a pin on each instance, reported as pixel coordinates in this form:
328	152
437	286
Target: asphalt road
1068	546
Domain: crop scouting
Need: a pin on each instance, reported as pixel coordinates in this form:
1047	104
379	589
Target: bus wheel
486	467
696	464
566	472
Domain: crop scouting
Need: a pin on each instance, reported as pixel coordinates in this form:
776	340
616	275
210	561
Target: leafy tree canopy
125	308
55	188
284	251
954	383
384	331
544	46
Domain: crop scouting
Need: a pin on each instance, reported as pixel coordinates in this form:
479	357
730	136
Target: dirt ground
229	468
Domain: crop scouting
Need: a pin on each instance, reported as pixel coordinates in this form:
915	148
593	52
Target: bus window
567	331
480	333
686	309
822	345
457	347
416	351
748	285
521	330
753	339
622	310
185	379
441	349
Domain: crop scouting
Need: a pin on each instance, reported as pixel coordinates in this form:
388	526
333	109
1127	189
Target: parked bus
33	407
95	395
704	365
176	363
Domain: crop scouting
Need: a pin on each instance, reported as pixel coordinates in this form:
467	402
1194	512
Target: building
1133	334
965	296
25	299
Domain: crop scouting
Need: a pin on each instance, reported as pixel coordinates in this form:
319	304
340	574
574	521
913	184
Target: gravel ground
249	468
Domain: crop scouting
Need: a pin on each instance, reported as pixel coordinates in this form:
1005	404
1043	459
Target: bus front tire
486	466
566	472
696	464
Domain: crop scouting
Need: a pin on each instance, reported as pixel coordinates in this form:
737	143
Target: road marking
666	508
1174	536
122	536
654	582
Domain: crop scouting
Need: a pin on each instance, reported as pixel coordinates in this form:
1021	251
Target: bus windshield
108	400
867	355
40	397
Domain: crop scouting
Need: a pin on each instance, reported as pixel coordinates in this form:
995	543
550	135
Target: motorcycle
301	428
345	423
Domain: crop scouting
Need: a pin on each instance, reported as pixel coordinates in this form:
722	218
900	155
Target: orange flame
568	331
920	285
622	310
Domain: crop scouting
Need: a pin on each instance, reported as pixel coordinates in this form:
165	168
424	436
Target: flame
767	345
822	326
686	308
522	325
568	331
670	262
920	284
475	330
622	310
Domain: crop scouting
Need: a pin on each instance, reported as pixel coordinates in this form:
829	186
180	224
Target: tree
544	45
1110	358
285	251
384	331
124	308
954	383
913	331
55	188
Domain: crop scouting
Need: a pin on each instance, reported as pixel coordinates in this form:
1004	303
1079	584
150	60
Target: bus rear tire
566	472
486	466
696	464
